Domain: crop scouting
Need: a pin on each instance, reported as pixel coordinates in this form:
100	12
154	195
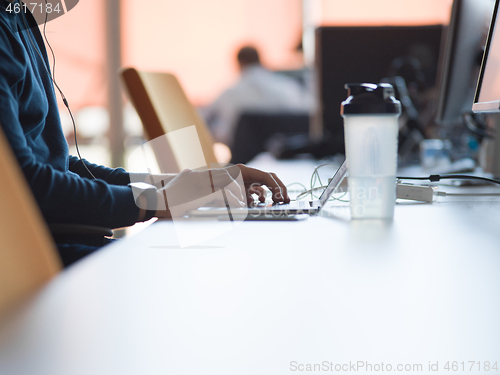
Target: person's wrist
145	196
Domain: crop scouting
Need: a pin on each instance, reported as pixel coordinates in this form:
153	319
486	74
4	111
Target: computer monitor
357	54
463	50
487	98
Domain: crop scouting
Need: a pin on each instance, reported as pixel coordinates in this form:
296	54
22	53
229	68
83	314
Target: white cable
52	78
445	194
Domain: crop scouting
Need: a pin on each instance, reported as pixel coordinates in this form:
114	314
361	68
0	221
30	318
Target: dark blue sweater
30	119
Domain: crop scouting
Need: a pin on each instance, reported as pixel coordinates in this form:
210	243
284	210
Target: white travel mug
371	140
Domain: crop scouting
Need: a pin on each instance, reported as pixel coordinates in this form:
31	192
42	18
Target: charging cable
445	194
313	189
437	177
429	193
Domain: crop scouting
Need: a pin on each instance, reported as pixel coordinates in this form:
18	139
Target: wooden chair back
28	257
181	137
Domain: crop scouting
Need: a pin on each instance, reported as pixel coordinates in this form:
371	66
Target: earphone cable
52	78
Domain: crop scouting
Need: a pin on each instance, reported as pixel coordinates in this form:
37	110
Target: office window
198	39
383	12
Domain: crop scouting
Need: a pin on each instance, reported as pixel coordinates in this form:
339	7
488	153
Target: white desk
267	297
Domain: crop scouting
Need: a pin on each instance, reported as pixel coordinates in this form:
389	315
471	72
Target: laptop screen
334	183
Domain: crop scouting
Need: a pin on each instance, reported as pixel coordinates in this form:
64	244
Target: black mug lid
370	98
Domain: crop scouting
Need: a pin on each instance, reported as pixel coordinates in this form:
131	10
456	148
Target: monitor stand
489	157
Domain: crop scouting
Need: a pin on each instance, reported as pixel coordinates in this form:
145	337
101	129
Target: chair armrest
80	234
79	229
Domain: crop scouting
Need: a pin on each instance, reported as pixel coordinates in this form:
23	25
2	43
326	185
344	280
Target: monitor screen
358	54
487	98
462	54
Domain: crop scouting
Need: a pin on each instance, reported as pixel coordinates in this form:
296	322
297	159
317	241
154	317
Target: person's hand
231	186
255	179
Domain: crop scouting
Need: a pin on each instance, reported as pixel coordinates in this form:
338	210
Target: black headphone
63	97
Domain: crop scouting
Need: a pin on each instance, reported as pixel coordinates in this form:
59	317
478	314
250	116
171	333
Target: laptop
279	210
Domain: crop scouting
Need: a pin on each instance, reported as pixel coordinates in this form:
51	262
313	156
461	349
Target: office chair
181	138
28	257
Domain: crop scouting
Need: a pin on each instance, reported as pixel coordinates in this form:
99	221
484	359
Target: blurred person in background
259	90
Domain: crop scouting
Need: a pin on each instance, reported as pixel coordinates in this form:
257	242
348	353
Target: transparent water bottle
371	140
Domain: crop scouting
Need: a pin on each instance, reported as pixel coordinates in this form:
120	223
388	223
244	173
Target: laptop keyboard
293	204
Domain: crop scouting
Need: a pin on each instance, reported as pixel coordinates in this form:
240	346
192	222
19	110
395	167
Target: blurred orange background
197	39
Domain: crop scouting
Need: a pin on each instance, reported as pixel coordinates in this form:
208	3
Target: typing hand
231	186
255	179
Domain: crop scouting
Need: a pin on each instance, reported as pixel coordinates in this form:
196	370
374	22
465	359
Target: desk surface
270	297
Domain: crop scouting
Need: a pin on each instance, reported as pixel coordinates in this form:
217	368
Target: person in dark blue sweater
61	184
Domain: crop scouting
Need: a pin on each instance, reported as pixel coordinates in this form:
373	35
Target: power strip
404	191
415	192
